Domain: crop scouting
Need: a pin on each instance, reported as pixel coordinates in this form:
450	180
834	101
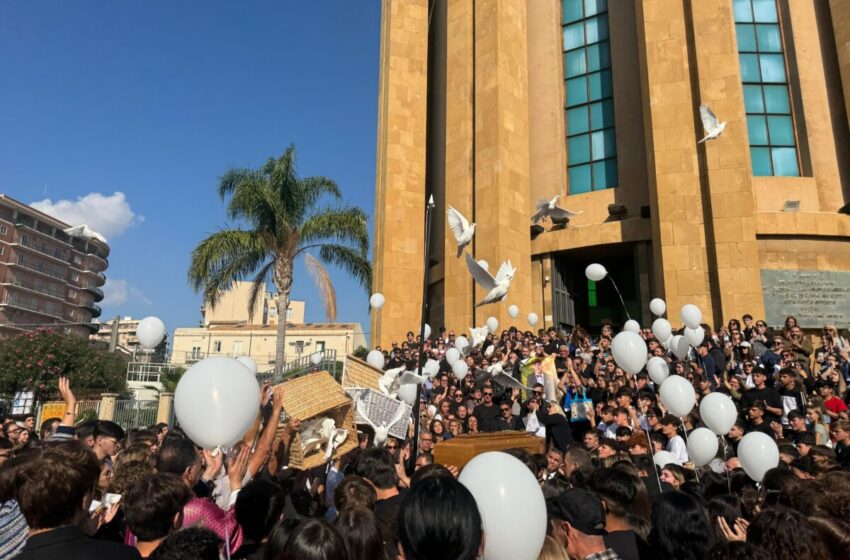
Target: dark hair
314	539
259	506
51	481
623	431
615	487
126	474
354	491
806	438
86	429
727	506
439	520
280	536
786	534
47	427
359	528
6	443
681	529
151	504
106	428
376	465
834	533
192	543
432	469
796	414
736	550
176	455
141	436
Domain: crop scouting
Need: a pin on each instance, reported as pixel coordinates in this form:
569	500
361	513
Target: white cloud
118	292
115	291
108	215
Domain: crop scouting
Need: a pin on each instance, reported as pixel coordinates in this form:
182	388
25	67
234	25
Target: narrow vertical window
773	146
591	144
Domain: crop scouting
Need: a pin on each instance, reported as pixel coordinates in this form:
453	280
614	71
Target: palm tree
283	220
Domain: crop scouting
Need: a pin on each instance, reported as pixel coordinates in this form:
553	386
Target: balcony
40	247
38	267
94	308
36	287
42	308
95	291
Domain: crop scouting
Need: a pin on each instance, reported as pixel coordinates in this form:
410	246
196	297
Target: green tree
35	360
283	219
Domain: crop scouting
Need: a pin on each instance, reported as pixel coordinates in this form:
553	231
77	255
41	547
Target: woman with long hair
359	529
681	529
814	414
786	534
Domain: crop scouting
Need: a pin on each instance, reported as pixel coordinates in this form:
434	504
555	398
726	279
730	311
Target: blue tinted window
746	37
785	162
576	91
602	114
572	10
772	68
753	100
597	29
593	7
575	63
598	57
604	144
770	124
578	149
577	120
776	99
781	130
573	36
580	181
599	85
605	174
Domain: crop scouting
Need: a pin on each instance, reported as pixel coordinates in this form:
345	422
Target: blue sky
156	99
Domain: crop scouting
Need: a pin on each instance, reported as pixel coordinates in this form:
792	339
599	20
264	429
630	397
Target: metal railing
132	413
145	372
301	366
15	301
47	290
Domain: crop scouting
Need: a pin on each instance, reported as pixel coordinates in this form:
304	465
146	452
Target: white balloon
718	412
150	331
513	311
658	370
407	393
502	486
431	367
316	358
452	355
668	344
484	264
216	401
694	336
595	272
691	315
680	346
460	369
532	319
678	395
249	363
702	446
377	300
664	458
492	324
661	329
632	326
427	331
629	351
375	358
658	307
461	342
757	453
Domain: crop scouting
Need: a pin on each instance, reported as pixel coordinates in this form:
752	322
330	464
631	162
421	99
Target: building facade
492	105
119	334
50	273
232	308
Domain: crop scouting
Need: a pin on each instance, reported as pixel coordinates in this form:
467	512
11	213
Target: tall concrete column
840	11
164	408
400	170
107	406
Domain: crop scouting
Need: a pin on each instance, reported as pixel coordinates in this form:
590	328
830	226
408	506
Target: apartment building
50	272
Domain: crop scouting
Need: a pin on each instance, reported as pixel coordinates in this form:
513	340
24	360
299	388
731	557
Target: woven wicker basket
357	373
381	409
312	395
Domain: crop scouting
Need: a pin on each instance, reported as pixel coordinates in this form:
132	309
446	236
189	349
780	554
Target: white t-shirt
678	448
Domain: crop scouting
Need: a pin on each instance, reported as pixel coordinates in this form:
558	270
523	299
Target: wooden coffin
459	450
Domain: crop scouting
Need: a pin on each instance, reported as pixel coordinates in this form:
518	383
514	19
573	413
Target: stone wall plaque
815	297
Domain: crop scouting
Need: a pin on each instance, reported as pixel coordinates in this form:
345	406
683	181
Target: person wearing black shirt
506	420
757	420
789	394
487	412
557	428
767	395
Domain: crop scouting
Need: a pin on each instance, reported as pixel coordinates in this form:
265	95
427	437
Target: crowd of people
90	490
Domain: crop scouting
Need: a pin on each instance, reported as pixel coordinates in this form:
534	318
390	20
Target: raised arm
264	445
70	416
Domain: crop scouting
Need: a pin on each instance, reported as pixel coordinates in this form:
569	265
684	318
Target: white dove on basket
550	209
497	288
479	335
710	122
388	383
409	377
339	435
461	229
316	432
383	430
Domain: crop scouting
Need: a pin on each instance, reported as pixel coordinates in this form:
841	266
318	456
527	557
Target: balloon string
226	539
648	437
725	459
688	444
616	289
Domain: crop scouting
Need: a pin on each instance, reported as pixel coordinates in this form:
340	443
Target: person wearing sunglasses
487	412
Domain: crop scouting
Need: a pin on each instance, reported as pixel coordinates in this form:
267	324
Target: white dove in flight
712	126
388	383
461	229
479	335
497	288
550	209
382	431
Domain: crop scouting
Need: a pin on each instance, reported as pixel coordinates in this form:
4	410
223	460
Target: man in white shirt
675	443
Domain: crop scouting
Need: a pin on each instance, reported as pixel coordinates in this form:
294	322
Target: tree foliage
35	360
